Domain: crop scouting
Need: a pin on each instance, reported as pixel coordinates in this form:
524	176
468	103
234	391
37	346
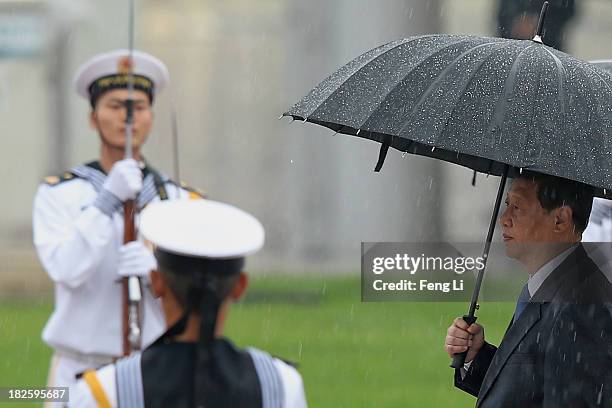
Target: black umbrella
479	102
606	65
493	105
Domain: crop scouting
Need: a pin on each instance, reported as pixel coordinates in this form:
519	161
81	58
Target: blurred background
236	66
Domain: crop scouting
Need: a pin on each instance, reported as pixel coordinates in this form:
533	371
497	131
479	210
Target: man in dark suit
557	351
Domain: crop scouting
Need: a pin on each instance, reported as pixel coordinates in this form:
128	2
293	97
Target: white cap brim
201	228
106	64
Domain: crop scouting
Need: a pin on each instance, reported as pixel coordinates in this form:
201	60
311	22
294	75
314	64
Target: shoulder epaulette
194	193
55	180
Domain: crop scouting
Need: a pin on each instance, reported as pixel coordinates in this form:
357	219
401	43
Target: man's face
108	118
526	225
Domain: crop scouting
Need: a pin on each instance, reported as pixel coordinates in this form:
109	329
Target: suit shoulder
593	288
584	283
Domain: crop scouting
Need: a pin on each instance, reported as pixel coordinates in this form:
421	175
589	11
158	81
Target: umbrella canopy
606	65
479	102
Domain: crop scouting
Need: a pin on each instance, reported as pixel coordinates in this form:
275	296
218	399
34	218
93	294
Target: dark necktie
521	302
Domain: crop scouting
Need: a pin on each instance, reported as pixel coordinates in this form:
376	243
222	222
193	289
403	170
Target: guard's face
526	225
108	118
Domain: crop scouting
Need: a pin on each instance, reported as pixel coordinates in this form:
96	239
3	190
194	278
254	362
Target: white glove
124	180
135	259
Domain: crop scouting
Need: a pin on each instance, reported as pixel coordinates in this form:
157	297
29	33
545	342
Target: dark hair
187	288
191	278
200	285
555	192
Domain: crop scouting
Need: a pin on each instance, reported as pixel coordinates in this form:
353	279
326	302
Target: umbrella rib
561	78
427	57
596	72
598	112
602	80
469	81
441	76
408	41
499	116
430	89
538	85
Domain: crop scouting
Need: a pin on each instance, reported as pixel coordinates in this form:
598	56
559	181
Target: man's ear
158	285
93	119
240	286
563	219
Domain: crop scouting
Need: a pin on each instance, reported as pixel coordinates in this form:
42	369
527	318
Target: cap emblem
125	65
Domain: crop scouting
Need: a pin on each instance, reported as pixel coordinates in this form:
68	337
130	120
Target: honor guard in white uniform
78	220
200	248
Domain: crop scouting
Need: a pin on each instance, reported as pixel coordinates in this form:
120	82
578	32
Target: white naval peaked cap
201	228
107	64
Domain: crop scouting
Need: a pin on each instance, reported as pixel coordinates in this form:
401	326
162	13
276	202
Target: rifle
131	288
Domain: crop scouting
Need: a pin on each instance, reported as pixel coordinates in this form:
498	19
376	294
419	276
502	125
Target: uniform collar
153	182
174	330
146	169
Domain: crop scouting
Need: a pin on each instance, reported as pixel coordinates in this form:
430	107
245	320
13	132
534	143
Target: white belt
91	360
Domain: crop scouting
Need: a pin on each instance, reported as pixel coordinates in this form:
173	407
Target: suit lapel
517	331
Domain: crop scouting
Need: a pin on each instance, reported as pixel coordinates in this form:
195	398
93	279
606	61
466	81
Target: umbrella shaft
540	26
487	248
470	318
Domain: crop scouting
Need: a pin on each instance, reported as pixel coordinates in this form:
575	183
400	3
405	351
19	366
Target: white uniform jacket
78	246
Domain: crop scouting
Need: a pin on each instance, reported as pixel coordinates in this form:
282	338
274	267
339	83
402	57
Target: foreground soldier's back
200	247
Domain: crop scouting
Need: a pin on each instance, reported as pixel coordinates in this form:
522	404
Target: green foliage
25	358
